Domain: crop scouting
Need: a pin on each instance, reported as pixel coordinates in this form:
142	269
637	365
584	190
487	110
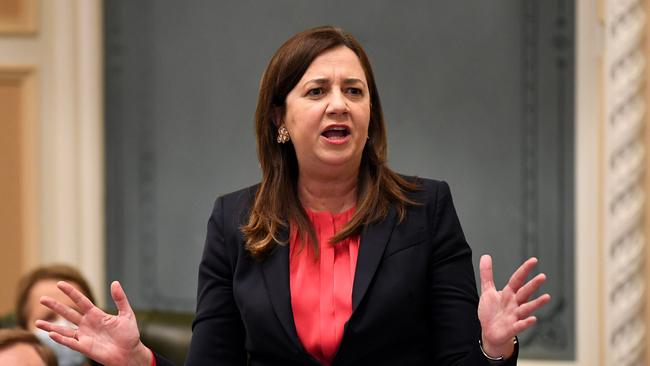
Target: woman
42	282
333	258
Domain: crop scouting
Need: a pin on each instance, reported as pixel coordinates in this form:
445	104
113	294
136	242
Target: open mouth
336	132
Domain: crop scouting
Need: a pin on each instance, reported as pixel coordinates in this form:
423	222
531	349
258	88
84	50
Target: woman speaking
333	259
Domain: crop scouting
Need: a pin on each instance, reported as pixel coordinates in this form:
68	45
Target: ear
278	116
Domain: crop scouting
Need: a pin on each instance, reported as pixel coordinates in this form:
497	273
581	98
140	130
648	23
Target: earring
283	135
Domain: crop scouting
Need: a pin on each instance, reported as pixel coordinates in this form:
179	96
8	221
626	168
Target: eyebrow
348	81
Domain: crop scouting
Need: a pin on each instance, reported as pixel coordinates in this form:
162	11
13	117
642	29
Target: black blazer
414	296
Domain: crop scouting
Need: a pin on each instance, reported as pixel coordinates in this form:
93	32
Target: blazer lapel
275	269
373	242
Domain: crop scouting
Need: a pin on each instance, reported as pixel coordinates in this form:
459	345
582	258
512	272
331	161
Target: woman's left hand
506	313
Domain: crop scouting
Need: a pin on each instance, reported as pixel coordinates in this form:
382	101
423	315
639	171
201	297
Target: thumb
487	279
119	297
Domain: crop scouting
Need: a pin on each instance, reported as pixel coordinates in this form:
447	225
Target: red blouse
321	288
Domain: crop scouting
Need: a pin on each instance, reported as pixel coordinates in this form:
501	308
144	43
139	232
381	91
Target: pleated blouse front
321	286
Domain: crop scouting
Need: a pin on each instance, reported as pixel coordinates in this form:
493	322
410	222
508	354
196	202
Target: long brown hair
11	337
276	202
60	272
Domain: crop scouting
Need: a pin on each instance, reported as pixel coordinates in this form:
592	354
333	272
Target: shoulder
433	201
428	191
229	213
235	204
244	196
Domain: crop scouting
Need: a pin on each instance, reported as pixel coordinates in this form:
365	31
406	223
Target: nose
338	104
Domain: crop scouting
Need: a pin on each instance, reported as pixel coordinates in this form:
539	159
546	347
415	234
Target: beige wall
58	206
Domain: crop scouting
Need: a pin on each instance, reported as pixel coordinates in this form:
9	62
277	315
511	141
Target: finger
527	290
530	307
487	278
524	324
519	277
75	295
66	341
65	311
120	299
50	327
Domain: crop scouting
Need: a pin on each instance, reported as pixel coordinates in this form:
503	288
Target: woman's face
327	113
36	311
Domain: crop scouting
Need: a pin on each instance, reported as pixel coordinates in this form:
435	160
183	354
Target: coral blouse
321	288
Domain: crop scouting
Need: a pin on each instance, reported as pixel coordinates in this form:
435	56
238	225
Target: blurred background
121	122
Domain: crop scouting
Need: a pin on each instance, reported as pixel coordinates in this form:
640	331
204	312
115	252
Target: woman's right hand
107	339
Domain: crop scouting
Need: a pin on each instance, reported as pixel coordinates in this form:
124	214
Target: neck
328	193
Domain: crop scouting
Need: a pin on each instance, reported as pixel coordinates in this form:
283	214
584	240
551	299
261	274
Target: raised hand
506	313
107	339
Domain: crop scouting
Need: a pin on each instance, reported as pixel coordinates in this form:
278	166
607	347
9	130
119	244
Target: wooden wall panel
18	16
18	226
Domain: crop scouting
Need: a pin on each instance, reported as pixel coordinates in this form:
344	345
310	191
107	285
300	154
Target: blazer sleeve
217	331
161	361
452	294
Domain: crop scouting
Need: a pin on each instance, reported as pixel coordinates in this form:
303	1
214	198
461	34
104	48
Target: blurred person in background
42	282
20	347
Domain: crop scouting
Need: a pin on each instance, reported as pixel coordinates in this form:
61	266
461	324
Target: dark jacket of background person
414	296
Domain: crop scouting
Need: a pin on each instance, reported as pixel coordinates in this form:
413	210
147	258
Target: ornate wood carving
624	193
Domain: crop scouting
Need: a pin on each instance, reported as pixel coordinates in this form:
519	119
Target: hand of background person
506	313
107	339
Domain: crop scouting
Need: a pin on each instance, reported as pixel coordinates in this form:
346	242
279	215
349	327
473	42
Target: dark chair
166	333
8	320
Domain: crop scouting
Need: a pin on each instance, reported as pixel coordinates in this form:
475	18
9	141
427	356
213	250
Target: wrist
141	356
497	352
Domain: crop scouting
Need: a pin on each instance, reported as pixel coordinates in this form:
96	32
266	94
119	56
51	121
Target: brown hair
276	202
60	272
10	337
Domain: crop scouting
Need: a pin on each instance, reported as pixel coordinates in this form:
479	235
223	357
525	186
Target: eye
315	92
357	92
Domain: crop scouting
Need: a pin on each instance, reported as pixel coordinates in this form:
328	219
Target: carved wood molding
624	194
